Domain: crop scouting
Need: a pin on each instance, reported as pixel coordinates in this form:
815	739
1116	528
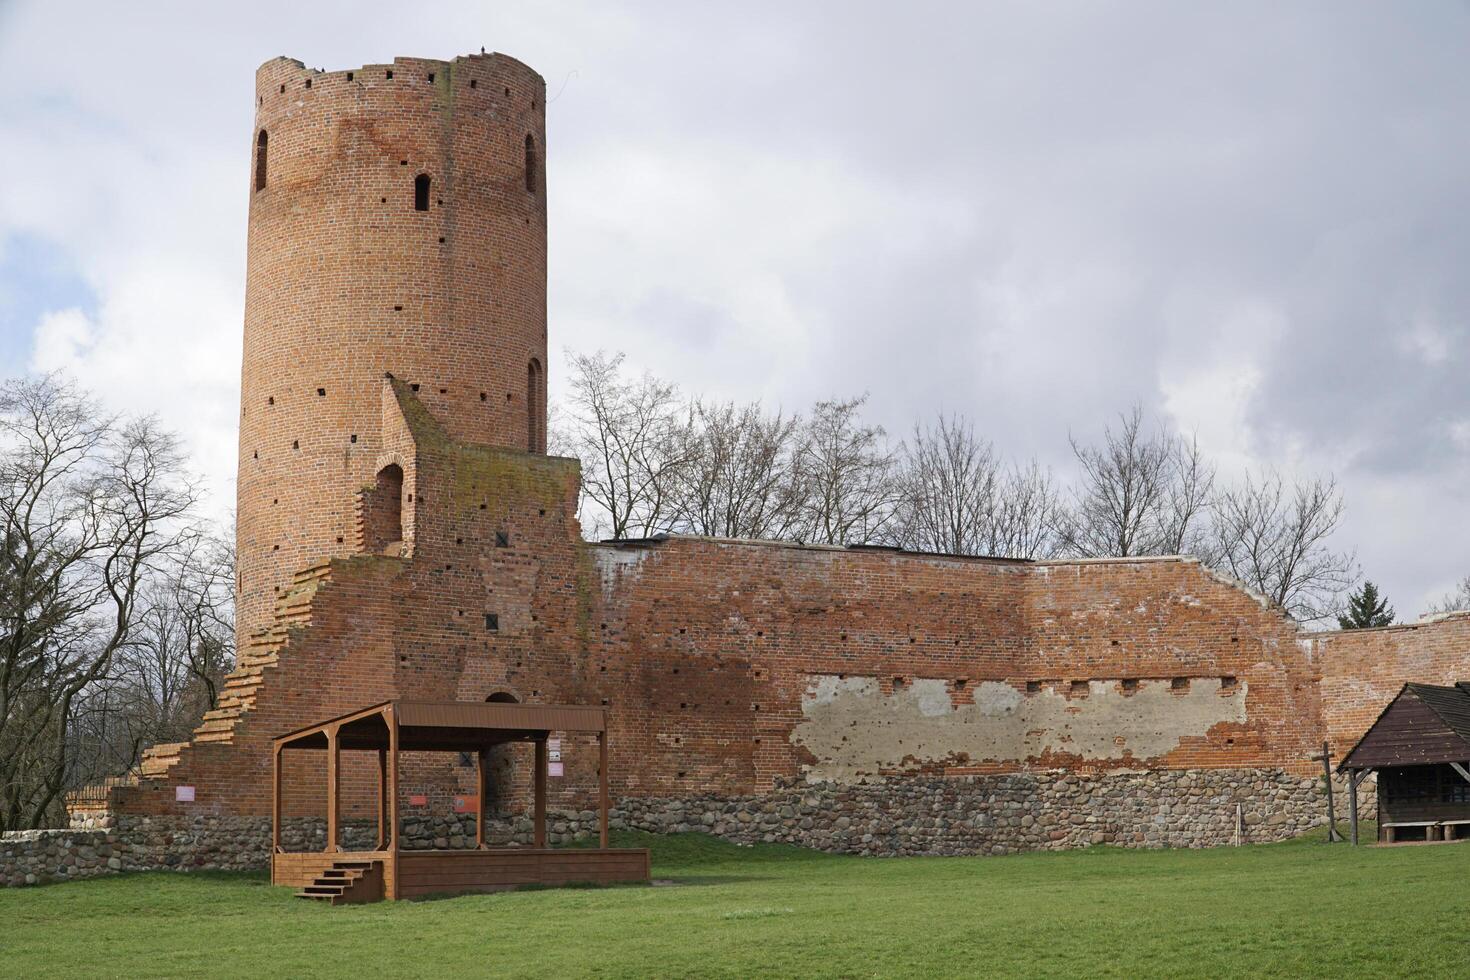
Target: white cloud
1031	214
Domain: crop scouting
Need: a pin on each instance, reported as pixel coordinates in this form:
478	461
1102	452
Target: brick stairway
237	697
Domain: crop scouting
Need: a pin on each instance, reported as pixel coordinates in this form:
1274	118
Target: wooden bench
1447	833
1431	827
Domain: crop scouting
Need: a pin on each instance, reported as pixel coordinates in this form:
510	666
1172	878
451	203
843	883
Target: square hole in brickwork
1179	684
1033	687
1228	683
283	88
349	76
492	621
1130	685
507	93
384	200
399	309
413	387
321	392
443	391
466	759
482	396
295	443
403	163
502	539
898	683
308	83
389	73
1081	689
441	237
474	83
339	539
431	78
271	400
354	437
960	683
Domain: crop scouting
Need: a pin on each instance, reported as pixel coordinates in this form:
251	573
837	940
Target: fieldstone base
998	814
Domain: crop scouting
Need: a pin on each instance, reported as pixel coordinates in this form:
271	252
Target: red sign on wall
418	799
466	804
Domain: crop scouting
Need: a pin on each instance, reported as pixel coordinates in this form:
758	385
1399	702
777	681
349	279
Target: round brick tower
397	225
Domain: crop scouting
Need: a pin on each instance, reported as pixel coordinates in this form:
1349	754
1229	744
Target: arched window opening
530	162
260	148
383	513
421	192
503	697
535	408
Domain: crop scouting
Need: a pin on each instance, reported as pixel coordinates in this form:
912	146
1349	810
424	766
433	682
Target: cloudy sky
1252	218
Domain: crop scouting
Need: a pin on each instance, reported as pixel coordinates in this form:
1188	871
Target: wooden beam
1353	807
393	816
334	787
1464	773
382	798
602	788
539	813
480	799
276	801
1326	757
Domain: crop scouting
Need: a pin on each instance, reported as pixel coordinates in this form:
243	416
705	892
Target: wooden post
1353	805
480	799
382	799
602	788
1326	757
540	805
276	801
334	786
393	824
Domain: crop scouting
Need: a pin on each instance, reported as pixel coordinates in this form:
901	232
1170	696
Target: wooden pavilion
389	870
1420	749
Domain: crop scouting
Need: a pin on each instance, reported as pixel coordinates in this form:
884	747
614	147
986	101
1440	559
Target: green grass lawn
1302	908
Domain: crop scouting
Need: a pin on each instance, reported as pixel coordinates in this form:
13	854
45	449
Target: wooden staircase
347	882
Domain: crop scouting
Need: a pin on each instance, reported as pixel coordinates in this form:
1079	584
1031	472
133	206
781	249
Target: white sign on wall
183	794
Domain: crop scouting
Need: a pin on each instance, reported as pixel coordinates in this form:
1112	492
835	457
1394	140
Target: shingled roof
1425	724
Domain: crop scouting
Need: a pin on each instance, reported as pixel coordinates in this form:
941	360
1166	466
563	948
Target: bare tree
1274	538
164	680
629	437
845	469
947	490
1027	513
1141	493
955	495
1457	600
740	479
90	506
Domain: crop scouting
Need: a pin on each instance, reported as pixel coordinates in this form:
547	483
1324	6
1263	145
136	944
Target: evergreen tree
1366	608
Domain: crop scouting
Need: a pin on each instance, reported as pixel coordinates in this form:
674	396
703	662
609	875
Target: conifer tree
1365	609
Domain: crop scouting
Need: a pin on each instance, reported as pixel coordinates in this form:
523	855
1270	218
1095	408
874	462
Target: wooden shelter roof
447	726
1425	724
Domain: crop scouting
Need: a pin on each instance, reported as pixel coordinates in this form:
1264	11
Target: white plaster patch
854	730
616	564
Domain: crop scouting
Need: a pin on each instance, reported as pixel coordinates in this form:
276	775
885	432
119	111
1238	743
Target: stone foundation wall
999	814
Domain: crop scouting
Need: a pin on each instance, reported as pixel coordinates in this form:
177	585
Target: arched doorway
382	519
501	769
